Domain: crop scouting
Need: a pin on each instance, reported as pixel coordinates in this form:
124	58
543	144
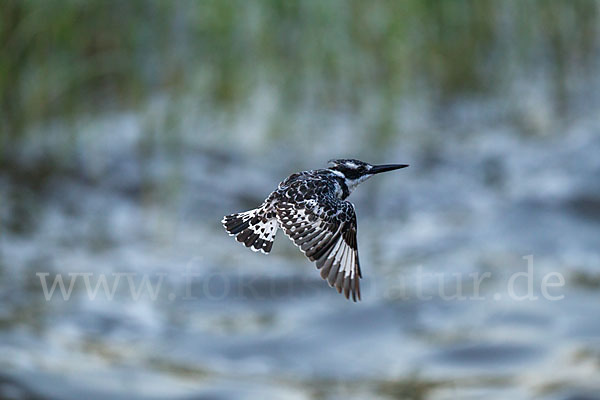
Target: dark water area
121	151
228	323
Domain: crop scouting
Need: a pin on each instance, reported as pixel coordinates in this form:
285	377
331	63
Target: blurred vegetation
60	59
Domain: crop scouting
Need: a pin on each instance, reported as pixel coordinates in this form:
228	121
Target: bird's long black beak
386	167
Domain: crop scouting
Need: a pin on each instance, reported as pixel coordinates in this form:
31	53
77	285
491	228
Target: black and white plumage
311	209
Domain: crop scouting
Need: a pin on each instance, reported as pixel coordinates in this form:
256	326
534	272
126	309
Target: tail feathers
255	229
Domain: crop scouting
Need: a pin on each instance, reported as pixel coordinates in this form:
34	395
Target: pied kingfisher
311	209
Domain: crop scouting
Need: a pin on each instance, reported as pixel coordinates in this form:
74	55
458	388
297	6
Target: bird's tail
255	228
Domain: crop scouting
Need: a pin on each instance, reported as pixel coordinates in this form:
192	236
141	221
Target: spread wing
326	234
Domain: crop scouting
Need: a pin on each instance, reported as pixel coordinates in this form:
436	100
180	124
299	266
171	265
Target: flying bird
311	209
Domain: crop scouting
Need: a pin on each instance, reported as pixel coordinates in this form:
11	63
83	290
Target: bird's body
311	209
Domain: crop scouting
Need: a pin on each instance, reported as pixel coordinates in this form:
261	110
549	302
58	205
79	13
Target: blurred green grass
61	59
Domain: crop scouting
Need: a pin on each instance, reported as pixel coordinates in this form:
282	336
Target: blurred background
128	128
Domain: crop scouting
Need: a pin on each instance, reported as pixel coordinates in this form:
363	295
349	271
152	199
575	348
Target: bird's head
355	171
